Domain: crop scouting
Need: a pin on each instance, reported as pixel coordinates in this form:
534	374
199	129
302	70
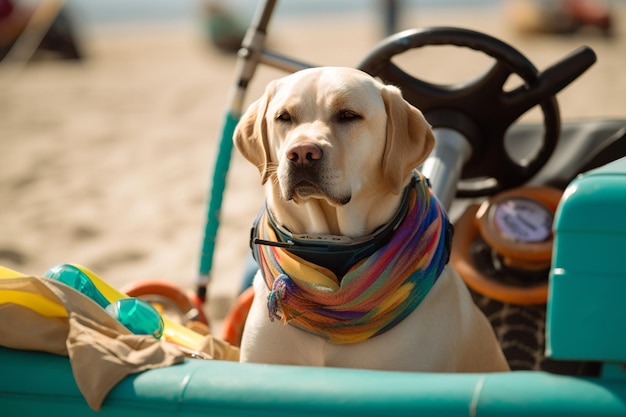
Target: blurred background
110	111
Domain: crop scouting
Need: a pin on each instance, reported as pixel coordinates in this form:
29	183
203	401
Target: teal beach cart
558	187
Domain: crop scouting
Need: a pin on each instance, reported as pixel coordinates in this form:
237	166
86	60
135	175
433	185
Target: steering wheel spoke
520	100
492	82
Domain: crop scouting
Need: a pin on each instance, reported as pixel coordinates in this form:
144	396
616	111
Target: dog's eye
347	116
283	116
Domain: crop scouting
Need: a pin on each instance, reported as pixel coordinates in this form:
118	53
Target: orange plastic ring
183	301
232	328
465	233
528	251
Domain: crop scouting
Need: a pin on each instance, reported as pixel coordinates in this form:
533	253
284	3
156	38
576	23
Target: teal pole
249	58
220	171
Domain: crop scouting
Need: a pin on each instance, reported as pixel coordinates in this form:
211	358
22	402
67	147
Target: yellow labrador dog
352	245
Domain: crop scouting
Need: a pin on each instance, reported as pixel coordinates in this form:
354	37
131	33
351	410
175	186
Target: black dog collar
336	253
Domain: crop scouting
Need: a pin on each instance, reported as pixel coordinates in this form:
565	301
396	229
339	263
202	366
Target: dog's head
333	133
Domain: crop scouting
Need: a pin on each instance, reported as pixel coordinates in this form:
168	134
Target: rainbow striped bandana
376	293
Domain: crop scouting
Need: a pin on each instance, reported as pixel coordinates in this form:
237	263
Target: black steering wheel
481	109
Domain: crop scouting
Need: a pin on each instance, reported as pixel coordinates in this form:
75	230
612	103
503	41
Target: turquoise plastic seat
38	384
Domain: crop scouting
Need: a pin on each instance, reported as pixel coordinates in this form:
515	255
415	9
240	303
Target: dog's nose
304	153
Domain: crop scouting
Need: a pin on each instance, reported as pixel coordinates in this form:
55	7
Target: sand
107	162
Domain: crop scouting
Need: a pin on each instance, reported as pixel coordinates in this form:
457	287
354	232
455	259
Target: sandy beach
107	162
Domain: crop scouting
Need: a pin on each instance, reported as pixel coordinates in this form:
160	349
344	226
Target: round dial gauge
523	220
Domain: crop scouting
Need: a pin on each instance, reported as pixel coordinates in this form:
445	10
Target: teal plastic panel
37	384
586	317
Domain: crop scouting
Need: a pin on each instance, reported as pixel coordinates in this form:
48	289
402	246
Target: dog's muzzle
311	179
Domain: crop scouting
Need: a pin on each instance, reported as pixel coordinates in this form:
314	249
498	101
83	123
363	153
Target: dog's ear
409	139
250	136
